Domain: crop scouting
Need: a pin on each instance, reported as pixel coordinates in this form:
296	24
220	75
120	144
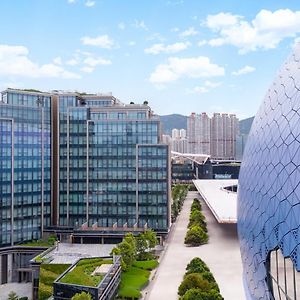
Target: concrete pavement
221	254
21	289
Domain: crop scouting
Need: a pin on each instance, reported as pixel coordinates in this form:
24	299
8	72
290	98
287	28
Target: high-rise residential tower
214	136
25	165
198	133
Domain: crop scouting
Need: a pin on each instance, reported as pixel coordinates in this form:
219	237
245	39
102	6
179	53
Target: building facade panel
25	151
269	194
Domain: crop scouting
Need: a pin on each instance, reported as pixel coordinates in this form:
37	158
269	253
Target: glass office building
113	171
269	192
25	165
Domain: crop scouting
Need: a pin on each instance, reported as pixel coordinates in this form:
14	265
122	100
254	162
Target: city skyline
210	57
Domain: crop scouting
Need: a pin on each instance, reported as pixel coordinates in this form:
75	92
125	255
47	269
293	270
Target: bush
196	236
12	296
23	298
191	281
196	265
82	296
197	218
196	204
197	294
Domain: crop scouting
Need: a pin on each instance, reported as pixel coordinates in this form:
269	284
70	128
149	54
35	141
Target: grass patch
146	264
81	274
132	281
38	243
48	273
135	279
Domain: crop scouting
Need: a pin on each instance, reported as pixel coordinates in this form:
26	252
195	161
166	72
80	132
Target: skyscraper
25	177
215	136
198	133
113	170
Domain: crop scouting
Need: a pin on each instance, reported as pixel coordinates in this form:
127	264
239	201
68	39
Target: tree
141	247
12	296
196	236
82	296
127	251
151	238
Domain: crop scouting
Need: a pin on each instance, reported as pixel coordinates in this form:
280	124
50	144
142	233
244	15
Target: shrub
197	265
12	296
197	218
82	296
196	205
196	236
191	281
197	294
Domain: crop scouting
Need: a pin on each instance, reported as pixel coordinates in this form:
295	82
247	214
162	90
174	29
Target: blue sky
182	56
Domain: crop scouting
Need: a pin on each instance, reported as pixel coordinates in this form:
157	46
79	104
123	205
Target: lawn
135	278
38	243
48	273
81	274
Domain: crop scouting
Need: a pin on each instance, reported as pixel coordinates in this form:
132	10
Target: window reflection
283	278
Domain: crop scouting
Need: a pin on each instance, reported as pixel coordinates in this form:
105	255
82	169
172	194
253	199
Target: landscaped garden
197	227
41	243
137	262
179	192
82	274
48	273
199	283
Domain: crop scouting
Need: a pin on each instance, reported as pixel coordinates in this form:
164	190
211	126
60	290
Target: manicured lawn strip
37	244
146	264
81	274
48	273
132	281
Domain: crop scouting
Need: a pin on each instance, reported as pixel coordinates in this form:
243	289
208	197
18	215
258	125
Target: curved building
269	192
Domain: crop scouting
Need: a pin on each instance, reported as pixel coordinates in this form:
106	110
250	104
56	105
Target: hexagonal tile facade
269	182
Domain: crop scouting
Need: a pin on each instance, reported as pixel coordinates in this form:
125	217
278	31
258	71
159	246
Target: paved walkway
21	289
221	254
69	253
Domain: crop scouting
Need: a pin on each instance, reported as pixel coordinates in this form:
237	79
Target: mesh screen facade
269	186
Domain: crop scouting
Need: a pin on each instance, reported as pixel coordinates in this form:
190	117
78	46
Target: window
283	278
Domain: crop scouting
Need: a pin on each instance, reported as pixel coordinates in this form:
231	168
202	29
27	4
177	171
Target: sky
181	56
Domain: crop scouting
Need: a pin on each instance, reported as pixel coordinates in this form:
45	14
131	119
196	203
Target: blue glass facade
113	171
25	165
269	192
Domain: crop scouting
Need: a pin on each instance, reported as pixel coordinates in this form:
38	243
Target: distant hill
179	121
245	125
173	121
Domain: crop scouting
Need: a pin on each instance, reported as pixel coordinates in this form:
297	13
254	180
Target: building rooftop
221	201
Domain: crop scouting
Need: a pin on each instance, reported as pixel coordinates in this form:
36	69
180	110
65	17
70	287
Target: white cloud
101	41
121	26
189	32
211	84
57	60
202	43
265	31
140	25
132	43
195	67
71	1
205	88
174	29
73	61
14	61
162	48
243	71
90	3
92	61
87	69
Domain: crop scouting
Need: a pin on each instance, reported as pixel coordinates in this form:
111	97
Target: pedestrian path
221	254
